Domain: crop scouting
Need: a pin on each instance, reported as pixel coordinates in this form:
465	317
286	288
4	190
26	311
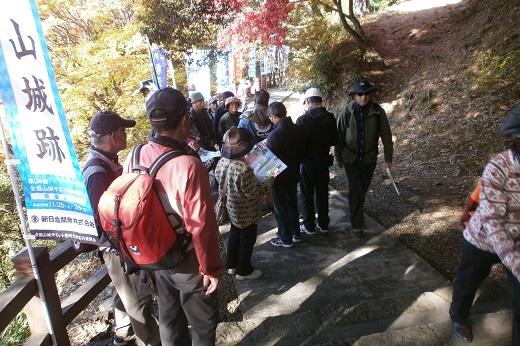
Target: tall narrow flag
56	200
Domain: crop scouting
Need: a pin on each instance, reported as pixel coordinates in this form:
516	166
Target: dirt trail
409	35
422	56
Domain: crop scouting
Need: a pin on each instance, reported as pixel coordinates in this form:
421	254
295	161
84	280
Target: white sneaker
253	276
306	231
232	271
322	230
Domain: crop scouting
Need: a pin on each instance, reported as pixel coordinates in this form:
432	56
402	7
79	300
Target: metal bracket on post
12	162
27	236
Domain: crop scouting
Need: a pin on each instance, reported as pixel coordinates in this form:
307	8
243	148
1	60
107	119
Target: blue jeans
286	210
314	178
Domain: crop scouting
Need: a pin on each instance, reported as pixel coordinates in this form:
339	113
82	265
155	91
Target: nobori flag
55	196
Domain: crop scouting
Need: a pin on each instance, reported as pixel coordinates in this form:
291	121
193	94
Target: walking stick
392	180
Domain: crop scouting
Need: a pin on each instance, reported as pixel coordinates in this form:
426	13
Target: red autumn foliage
265	25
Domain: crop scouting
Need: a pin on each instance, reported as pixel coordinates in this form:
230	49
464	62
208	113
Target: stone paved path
337	289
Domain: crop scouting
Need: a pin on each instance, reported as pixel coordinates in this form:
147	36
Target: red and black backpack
145	234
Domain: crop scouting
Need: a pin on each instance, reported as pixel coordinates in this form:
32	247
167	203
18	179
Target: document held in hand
264	162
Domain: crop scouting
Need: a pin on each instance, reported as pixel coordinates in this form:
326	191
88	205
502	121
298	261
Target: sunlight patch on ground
290	301
420	5
265	237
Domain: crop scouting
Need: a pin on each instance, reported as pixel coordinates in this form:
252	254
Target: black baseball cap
106	122
166	103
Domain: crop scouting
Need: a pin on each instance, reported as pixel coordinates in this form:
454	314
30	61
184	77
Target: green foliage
495	73
325	70
312	36
378	5
16	332
181	26
12	240
99	58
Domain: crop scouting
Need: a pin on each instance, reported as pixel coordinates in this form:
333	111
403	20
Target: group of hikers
186	291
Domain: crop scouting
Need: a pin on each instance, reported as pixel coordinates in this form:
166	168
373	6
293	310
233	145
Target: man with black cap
320	130
202	132
491	235
186	292
360	126
212	108
132	311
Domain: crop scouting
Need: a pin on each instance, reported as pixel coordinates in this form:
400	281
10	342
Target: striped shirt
495	226
244	193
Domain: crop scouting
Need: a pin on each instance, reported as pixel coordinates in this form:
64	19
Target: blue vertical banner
160	64
56	199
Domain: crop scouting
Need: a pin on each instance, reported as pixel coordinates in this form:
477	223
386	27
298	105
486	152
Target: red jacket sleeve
200	220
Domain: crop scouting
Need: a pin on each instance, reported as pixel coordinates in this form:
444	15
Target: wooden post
33	309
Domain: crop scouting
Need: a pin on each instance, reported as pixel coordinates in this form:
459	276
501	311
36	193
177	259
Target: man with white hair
321	134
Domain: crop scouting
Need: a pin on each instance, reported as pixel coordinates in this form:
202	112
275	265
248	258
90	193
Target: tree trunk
358	34
212	71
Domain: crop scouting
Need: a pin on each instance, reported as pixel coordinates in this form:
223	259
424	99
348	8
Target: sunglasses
361	94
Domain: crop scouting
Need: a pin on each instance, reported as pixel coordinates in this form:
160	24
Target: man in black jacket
132	311
321	133
286	141
219	113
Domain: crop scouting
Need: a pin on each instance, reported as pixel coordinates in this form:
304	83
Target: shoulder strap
134	159
156	165
93	162
161	160
96	162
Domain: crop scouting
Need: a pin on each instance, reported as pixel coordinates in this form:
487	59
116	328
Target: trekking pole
392	180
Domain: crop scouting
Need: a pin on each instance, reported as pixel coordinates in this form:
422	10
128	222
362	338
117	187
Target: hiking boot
232	271
462	330
307	231
296	238
121	341
323	230
255	274
278	242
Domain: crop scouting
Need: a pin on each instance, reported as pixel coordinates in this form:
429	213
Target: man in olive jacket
360	126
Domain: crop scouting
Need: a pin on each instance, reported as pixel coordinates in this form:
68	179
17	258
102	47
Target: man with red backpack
182	184
132	311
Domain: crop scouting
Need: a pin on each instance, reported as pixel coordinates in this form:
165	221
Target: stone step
338	324
492	329
308	328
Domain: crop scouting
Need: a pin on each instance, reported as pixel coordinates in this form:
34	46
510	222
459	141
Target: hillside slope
449	75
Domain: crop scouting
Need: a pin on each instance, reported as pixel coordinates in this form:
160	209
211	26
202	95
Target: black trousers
474	268
359	177
314	178
286	210
183	300
240	248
